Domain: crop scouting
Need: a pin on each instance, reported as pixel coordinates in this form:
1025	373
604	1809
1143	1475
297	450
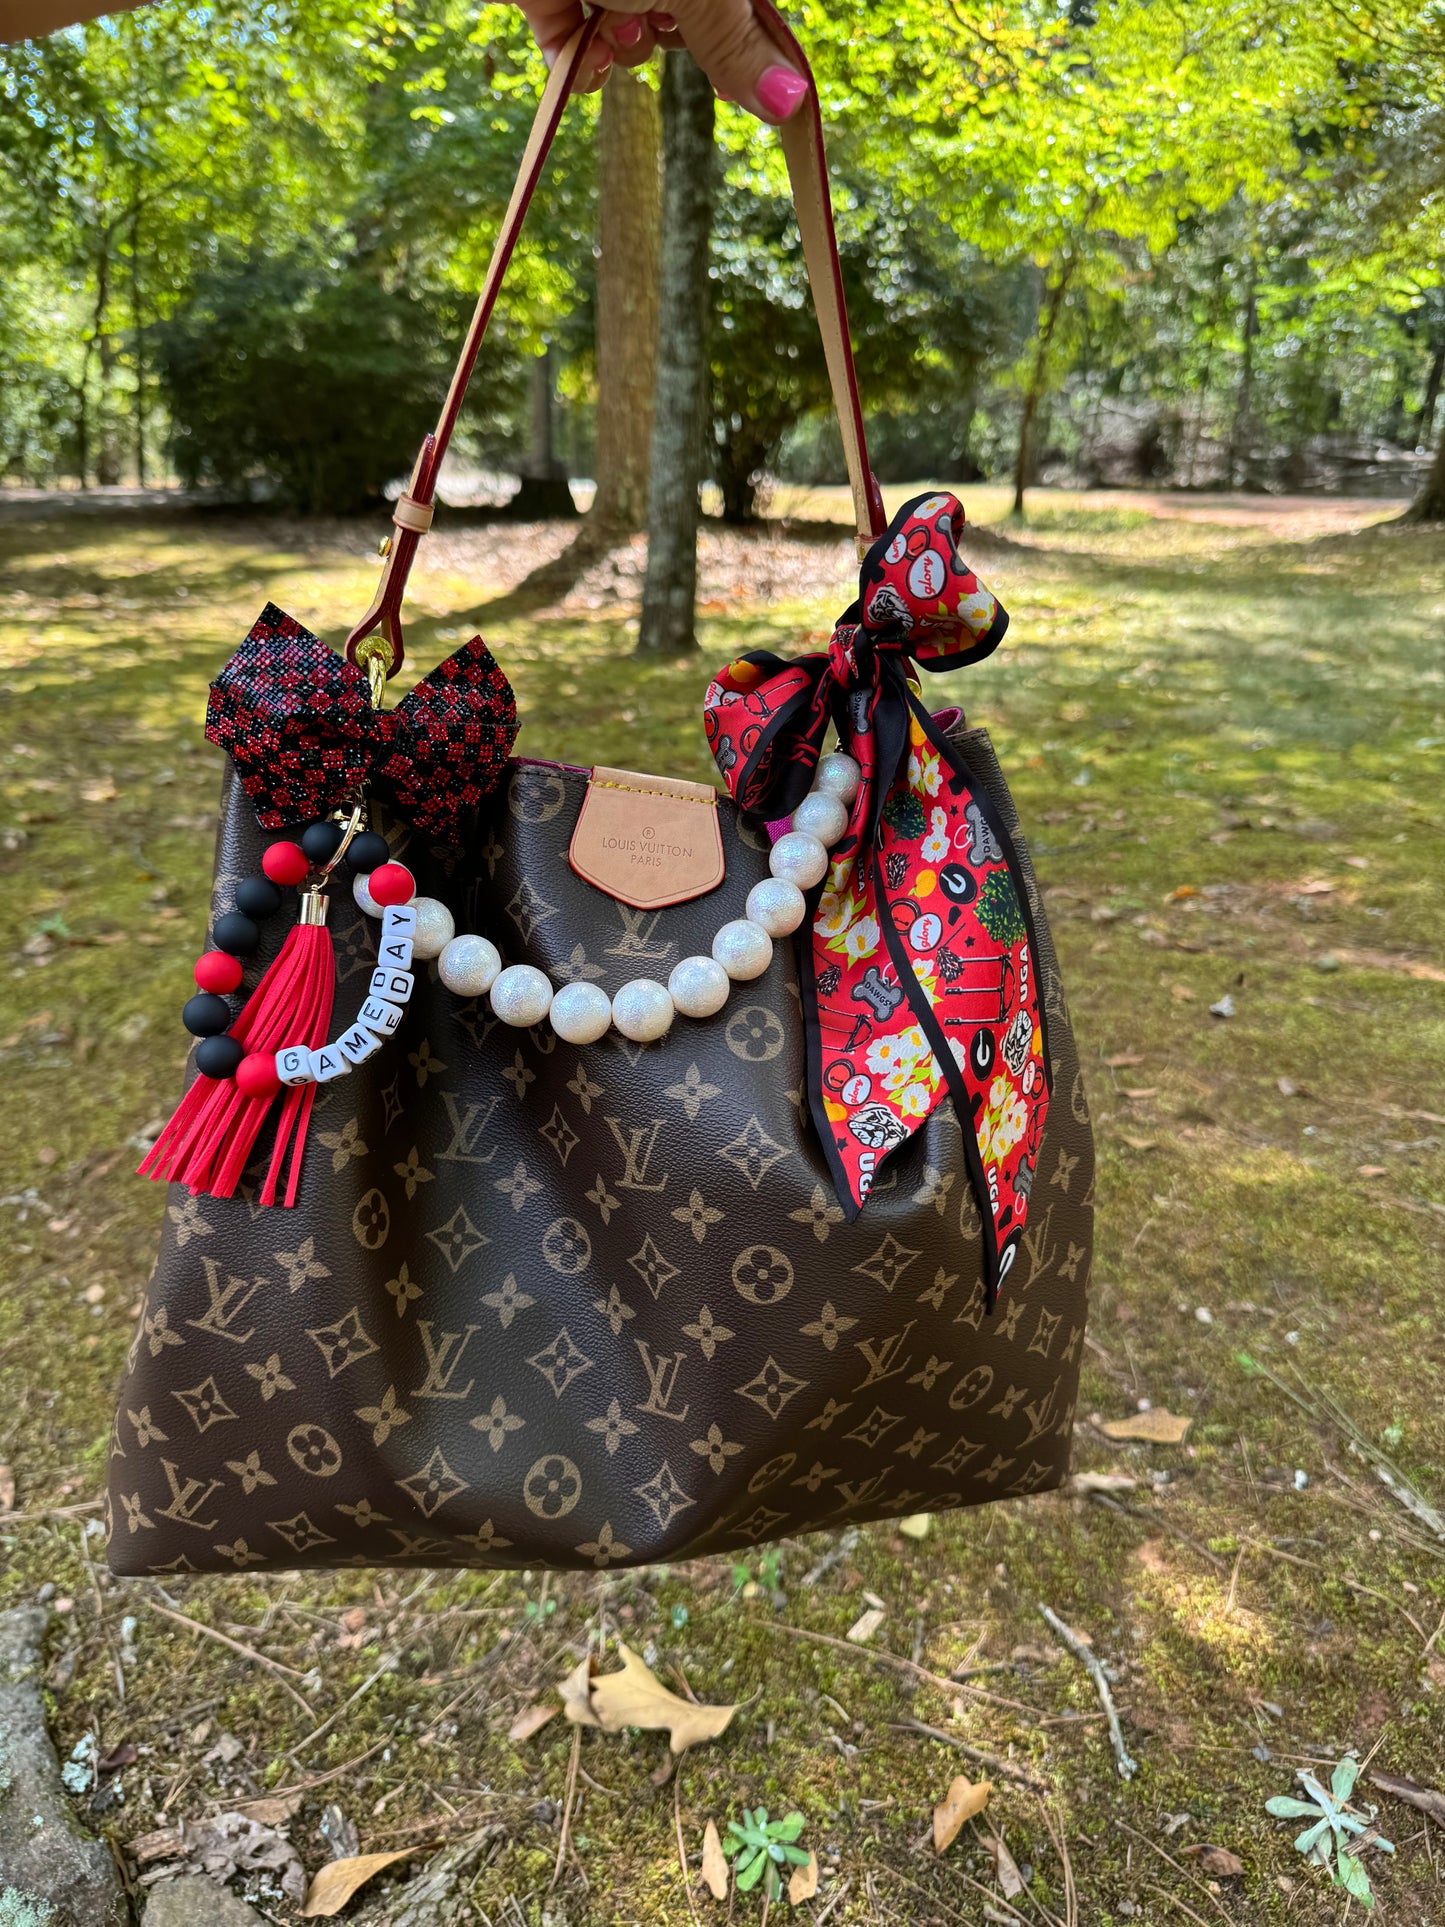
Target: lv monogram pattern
585	1308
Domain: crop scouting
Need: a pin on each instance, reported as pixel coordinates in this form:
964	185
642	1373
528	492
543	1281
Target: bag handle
379	633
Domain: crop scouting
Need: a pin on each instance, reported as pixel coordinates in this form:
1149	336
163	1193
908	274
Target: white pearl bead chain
643	1010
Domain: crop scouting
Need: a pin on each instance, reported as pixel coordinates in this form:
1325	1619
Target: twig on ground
836	1901
681	1845
273	1666
1128	1766
1004	1768
567	1800
1234	1582
1174	1901
9	1520
990	1894
294	1753
880	1656
841	1548
1061	1847
316	1779
1144	1840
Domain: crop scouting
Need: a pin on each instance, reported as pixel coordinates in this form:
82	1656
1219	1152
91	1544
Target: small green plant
769	1573
1335	1827
763	1847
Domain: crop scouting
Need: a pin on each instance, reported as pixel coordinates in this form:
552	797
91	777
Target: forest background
1149	243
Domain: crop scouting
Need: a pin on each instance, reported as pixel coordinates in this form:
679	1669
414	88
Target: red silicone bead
217	972
392	883
285	863
256	1076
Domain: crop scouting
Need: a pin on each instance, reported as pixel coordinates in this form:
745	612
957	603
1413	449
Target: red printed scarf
920	981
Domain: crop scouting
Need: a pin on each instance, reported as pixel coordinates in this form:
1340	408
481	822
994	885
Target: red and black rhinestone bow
298	723
920	977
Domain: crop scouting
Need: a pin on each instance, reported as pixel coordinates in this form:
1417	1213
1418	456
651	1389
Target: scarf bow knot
298	723
918	968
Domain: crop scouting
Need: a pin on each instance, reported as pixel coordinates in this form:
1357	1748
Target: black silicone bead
368	852
219	1057
257	897
321	841
236	934
206	1015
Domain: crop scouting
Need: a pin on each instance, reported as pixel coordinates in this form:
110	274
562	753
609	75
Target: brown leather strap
808	173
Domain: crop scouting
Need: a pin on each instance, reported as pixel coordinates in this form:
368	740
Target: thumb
740	57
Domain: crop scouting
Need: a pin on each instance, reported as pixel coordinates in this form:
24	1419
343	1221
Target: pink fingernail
664	22
628	31
780	91
601	59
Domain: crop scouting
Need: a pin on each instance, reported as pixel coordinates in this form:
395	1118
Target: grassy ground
1227	747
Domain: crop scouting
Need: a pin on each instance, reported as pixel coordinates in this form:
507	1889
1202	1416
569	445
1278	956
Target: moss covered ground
1225	727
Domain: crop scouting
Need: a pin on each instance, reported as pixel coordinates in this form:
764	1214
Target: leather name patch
648	840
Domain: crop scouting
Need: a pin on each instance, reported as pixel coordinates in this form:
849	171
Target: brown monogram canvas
547	1306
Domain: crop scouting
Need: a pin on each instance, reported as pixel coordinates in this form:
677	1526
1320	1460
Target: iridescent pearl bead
522	995
838	775
776	905
469	966
643	1010
699	986
580	1013
435	927
821	815
363	897
799	858
743	949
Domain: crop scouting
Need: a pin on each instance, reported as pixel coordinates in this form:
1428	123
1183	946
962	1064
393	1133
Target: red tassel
207	1143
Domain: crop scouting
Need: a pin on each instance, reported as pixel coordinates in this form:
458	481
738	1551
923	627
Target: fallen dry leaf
962	1801
1005	1867
531	1720
1184	890
1425	1799
1220	1862
714	1866
272	1810
165	1843
7	1488
1139	1143
338	1880
1371	1170
1181	993
865	1625
1122	1059
1145	1090
804	1883
1155	1427
576	1691
916	1526
636	1697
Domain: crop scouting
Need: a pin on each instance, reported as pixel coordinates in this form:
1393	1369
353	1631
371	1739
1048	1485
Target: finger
740	57
553	22
596	66
630	36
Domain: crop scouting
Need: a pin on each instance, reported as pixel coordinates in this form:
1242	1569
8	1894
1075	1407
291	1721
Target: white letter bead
394	953
580	1013
358	1043
378	1015
434	927
743	949
642	1010
393	984
838	775
776	905
293	1065
399	919
364	899
699	986
327	1063
468	966
522	995
822	816
799	858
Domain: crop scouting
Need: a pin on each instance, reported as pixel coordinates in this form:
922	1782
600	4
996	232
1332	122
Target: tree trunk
680	395
542	493
1425	420
1244	400
1037	385
1429	504
629	223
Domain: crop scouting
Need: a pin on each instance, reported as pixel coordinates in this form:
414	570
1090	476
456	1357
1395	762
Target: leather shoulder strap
808	174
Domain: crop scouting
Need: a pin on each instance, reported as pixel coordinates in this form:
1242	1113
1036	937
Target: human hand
725	37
